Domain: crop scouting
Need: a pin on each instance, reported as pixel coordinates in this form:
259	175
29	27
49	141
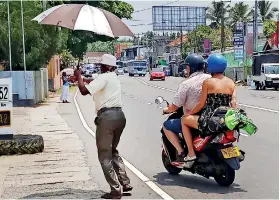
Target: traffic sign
238	43
238	52
6	105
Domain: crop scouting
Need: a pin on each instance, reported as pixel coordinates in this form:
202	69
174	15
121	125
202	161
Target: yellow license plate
5	118
230	152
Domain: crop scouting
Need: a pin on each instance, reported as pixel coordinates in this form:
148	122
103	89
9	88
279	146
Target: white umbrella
69	71
84	17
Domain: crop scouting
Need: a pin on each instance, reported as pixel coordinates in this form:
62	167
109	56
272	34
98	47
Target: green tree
266	11
269	27
99	46
196	38
66	59
78	40
173	36
147	39
240	12
217	12
41	42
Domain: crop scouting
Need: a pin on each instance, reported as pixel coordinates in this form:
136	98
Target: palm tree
218	15
218	11
266	11
240	13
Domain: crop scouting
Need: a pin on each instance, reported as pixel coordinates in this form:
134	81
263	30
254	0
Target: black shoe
180	157
112	195
127	188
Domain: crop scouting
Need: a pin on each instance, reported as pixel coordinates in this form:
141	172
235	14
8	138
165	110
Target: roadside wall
29	88
54	82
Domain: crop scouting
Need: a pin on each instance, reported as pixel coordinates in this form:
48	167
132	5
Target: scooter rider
188	96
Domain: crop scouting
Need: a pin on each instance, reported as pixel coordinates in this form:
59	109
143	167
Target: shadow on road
200	184
67	194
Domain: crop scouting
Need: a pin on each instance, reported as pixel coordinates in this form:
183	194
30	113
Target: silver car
119	71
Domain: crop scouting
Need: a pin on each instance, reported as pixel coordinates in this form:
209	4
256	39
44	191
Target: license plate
275	81
4	93
230	152
5	118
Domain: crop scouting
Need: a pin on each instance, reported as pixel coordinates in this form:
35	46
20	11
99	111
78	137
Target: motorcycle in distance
217	156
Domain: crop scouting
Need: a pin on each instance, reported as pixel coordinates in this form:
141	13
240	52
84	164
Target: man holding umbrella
110	122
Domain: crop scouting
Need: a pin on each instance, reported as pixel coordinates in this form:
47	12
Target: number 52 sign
6	105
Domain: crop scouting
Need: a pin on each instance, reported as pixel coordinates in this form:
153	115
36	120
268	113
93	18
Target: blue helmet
195	62
216	63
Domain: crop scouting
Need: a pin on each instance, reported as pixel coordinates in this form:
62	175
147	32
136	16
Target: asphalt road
141	143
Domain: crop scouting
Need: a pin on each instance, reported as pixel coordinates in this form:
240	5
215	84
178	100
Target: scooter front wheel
227	178
168	166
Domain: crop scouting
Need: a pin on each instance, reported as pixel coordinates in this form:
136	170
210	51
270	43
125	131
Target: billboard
175	18
207	46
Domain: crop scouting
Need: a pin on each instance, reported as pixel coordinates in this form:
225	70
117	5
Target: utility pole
23	47
9	34
44	3
255	28
223	34
181	42
138	49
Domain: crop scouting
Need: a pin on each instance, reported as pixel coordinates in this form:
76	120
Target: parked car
90	70
157	73
119	70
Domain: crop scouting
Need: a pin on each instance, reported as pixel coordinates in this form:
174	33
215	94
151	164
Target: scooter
217	156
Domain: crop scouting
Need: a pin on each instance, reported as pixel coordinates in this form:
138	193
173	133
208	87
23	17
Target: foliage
217	12
41	42
173	36
66	59
78	40
147	39
99	46
196	38
240	12
269	27
266	12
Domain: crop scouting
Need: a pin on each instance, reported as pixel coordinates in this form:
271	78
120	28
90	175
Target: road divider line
244	105
138	173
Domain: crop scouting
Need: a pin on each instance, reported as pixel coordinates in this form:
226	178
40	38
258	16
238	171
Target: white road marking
244	105
139	174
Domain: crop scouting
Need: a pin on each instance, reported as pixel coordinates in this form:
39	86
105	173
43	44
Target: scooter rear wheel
170	168
227	178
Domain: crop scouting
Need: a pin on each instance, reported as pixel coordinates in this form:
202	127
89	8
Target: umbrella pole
23	46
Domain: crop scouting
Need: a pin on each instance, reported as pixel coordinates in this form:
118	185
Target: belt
106	109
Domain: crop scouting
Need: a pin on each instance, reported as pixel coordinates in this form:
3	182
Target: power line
152	7
141	24
151	23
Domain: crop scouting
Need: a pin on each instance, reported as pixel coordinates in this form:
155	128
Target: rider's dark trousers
110	124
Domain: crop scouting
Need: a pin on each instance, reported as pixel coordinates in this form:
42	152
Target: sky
145	17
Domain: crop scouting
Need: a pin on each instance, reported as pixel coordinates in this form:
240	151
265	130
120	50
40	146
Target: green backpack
236	119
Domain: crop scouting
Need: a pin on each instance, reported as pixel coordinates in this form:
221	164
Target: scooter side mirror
159	100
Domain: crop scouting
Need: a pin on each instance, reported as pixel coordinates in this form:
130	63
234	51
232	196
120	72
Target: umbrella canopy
69	71
84	17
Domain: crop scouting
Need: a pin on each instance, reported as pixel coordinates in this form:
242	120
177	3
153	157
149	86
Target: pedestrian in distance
110	123
65	88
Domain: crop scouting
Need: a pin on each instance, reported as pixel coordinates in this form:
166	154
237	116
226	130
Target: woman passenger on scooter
216	91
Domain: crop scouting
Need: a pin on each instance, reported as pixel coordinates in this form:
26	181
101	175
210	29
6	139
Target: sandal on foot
189	158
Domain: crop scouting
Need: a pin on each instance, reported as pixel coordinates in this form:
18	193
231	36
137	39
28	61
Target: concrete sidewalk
61	171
